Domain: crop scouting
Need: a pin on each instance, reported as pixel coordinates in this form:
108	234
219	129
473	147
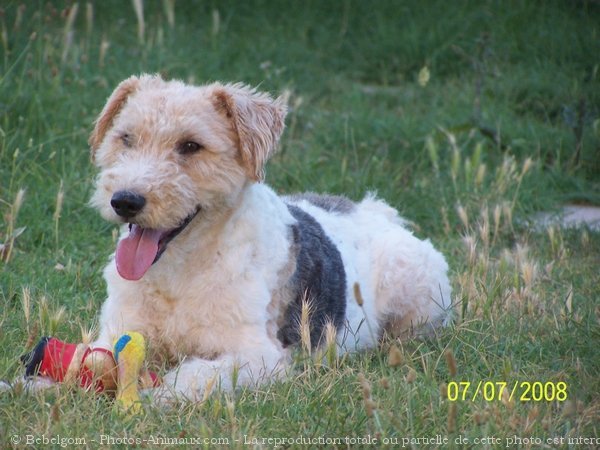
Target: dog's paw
159	397
169	395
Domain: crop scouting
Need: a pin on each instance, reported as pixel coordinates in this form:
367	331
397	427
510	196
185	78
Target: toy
130	352
92	368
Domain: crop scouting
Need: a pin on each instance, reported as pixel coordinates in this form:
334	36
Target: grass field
467	116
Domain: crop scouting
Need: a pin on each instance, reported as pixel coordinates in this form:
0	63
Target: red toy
91	368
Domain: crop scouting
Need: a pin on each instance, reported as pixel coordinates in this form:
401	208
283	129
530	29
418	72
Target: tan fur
257	120
112	107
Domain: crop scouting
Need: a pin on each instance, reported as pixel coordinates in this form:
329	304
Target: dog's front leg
195	378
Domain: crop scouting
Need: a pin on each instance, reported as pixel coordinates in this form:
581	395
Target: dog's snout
127	204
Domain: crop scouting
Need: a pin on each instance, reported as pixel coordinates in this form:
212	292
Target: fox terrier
215	269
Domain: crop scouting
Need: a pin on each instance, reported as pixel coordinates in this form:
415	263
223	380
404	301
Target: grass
506	124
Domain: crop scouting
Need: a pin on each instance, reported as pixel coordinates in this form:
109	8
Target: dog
216	270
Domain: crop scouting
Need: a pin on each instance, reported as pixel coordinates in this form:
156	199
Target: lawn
469	117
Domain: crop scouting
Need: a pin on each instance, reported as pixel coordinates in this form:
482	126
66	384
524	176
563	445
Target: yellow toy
129	352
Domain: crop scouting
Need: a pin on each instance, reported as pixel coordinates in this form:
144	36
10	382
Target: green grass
507	82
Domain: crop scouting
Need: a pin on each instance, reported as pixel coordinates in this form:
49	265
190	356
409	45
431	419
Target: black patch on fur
319	276
330	203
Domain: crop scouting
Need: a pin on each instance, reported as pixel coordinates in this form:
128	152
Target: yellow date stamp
523	391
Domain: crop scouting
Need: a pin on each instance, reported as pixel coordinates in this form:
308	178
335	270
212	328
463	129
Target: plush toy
91	368
130	352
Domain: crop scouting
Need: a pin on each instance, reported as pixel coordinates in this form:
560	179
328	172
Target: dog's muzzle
142	247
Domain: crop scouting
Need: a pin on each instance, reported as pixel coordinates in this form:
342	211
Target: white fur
214	300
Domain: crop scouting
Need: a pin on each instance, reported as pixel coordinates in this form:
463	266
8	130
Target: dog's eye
188	147
126	139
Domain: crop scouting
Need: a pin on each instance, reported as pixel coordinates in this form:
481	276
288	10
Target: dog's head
167	151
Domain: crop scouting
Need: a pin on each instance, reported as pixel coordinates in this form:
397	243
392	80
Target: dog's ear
113	106
257	119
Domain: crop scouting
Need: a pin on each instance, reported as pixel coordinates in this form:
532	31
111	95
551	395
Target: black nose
127	204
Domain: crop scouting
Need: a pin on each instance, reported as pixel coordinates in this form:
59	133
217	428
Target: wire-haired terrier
215	269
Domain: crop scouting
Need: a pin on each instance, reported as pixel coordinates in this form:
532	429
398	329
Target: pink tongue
136	253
